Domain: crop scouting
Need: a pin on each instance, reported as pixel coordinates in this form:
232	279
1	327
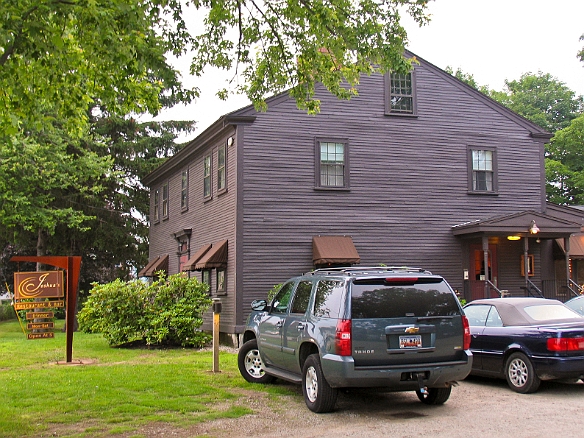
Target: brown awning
216	257
334	250
159	263
576	245
190	264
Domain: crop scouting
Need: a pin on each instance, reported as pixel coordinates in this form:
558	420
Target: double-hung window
184	190
156	211
332	166
401	94
165	201
482	170
207	176
221	167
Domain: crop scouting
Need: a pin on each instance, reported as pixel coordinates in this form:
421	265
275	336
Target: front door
477	274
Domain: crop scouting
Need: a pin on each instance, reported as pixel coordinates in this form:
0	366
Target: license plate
413	341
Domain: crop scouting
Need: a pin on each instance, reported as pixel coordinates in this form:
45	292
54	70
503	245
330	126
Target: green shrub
6	311
167	312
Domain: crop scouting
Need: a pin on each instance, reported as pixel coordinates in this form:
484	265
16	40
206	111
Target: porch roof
518	224
576	245
334	250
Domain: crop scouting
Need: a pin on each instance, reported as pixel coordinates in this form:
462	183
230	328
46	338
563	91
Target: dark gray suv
396	328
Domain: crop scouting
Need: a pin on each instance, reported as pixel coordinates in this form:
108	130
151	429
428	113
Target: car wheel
520	374
434	396
250	363
318	394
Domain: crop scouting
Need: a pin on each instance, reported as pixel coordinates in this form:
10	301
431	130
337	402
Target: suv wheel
434	396
318	394
520	374
250	363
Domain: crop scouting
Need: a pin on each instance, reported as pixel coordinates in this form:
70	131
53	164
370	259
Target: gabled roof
247	114
518	224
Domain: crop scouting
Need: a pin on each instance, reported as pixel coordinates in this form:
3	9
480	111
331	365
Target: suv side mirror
259	305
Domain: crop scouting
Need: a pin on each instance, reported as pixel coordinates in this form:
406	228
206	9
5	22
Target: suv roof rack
353	270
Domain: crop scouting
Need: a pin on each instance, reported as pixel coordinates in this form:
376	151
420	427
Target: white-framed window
221	168
156	207
332	164
221	289
165	201
184	190
207	176
401	94
482	170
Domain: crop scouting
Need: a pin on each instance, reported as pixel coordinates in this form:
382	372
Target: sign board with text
38	285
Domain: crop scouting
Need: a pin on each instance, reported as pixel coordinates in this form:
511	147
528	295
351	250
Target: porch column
486	264
567	252
526	260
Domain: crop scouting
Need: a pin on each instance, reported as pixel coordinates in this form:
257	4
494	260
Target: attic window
400	95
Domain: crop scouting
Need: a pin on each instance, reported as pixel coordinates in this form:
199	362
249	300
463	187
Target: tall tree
60	57
565	164
581	52
543	99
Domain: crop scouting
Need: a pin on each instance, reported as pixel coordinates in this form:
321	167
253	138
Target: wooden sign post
72	264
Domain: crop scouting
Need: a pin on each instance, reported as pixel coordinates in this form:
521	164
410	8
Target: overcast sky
493	40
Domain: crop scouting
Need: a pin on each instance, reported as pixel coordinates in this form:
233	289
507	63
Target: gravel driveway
478	408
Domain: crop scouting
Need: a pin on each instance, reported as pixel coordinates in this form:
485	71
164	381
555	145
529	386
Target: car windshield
550	312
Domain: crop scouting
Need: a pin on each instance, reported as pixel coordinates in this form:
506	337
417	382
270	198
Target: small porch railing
554	289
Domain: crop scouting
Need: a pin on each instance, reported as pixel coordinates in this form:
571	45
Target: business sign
40	315
29	305
38	285
40	325
44	335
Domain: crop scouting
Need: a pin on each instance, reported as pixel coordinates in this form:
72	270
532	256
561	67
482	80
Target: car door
494	341
271	327
477	317
295	326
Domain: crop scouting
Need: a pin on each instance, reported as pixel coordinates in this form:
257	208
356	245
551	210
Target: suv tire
318	394
434	396
250	363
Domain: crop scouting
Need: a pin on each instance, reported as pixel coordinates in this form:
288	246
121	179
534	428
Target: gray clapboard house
419	170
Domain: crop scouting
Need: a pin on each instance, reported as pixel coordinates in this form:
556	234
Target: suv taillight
466	337
343	342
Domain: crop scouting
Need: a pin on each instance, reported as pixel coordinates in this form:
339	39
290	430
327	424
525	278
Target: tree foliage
544	100
565	164
278	45
167	312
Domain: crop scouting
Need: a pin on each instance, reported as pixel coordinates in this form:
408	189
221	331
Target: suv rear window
381	298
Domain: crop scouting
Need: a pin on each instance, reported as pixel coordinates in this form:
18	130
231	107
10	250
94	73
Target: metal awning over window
334	250
190	264
216	257
159	263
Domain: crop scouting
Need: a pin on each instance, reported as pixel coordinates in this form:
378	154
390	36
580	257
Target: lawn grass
119	391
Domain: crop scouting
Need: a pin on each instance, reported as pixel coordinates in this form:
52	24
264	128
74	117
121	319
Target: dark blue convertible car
526	340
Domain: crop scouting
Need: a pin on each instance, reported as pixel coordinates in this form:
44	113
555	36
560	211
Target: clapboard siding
211	220
408	186
408	180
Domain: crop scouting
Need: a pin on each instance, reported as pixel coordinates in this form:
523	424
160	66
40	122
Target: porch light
513	237
533	229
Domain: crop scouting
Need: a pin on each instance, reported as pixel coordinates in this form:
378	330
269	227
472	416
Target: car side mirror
259	305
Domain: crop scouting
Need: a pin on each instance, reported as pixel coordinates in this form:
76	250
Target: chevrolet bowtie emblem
412	330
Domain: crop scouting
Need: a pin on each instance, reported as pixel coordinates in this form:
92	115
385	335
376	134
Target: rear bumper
340	372
548	368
